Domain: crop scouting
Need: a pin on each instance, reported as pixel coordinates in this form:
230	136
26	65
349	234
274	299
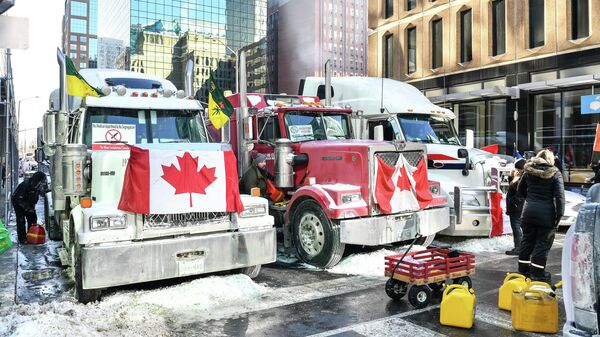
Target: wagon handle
417	237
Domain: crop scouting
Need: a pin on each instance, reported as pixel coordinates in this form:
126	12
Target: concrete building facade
514	71
108	51
310	32
79	38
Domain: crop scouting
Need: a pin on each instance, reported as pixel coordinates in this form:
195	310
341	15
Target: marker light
180	94
154	94
168	93
106	90
144	94
121	90
134	94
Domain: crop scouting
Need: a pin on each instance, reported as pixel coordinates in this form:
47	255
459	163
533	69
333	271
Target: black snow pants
536	244
21	214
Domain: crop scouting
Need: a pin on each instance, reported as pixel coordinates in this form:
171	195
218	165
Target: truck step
65	257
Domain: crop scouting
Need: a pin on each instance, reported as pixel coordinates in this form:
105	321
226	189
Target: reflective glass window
78	8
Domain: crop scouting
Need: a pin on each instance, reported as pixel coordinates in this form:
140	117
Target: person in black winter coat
24	199
514	206
543	189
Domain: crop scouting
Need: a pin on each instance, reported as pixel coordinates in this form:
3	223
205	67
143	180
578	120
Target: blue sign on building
590	104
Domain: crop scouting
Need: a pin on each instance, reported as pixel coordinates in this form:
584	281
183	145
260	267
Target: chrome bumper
379	230
569	330
135	262
459	207
468	227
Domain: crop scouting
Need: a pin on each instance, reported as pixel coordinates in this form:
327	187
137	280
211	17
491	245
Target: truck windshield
302	126
106	125
428	129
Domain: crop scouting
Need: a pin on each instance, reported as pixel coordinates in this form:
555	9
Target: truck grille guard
164	221
391	158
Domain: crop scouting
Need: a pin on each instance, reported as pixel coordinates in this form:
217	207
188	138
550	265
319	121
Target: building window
536	23
82	65
580	24
411	46
78	26
498	27
411	4
83	47
73	47
437	52
466	52
73	38
389	8
82	39
73	55
78	8
388	47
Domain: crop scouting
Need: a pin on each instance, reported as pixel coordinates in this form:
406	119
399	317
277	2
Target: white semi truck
108	247
467	175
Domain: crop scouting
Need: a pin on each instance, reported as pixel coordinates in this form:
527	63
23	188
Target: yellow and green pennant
219	108
77	85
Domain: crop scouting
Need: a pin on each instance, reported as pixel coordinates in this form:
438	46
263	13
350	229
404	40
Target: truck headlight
112	222
254	210
350	197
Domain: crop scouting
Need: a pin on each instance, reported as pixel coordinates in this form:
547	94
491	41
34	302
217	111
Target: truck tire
251	272
83	295
315	236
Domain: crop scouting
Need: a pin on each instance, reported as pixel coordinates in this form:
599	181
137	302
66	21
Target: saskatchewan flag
219	108
76	85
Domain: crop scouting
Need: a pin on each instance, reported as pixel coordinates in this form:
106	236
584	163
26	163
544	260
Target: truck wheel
395	289
251	272
419	296
316	237
83	295
54	229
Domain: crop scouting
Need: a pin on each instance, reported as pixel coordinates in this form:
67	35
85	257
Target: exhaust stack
189	78
243	123
328	83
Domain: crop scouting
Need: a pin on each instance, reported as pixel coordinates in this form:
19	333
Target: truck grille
391	158
160	221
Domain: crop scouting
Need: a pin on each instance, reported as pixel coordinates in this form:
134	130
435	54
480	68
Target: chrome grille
160	221
391	158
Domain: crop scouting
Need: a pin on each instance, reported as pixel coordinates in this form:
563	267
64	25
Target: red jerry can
36	235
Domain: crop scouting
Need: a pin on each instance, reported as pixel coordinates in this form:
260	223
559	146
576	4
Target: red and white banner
159	181
402	187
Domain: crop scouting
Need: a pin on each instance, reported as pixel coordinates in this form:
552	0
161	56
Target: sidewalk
8	269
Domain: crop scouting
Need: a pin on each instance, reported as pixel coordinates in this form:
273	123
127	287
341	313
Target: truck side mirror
463	153
48	133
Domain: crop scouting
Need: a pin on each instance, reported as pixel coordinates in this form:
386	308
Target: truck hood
449	154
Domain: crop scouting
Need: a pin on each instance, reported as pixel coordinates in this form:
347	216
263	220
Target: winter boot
513	252
524	269
539	274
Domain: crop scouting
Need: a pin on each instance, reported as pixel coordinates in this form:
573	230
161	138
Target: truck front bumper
109	265
384	229
473	224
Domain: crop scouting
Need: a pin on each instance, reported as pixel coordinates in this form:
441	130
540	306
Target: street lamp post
19	118
237	62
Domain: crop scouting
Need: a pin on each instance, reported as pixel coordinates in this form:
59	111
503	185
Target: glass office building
161	35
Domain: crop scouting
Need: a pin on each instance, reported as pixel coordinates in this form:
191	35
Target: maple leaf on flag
188	179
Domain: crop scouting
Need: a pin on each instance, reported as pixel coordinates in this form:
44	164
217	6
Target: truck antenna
381	108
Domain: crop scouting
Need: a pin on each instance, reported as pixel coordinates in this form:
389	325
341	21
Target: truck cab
88	142
329	178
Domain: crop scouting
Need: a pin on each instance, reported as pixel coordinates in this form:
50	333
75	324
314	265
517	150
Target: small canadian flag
164	181
402	187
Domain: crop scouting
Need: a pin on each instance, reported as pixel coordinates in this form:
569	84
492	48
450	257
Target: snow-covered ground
498	244
133	313
368	264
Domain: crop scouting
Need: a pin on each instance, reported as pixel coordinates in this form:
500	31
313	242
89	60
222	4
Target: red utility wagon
420	273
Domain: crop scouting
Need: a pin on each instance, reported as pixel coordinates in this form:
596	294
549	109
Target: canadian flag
161	181
402	187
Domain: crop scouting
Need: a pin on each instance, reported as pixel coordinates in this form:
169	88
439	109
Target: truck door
267	131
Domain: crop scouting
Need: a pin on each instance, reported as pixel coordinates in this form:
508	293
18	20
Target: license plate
190	266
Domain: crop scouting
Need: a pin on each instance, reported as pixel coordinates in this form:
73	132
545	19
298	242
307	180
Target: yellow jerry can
458	306
513	282
535	309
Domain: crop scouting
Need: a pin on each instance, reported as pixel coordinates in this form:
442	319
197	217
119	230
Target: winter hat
520	163
259	158
37	178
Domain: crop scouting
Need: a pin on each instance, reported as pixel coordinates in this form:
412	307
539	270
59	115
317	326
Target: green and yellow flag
219	108
76	85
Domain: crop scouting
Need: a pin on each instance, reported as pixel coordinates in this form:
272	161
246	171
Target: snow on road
132	313
498	244
368	264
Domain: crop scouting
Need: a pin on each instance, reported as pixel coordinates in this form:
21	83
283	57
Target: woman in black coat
544	192
514	206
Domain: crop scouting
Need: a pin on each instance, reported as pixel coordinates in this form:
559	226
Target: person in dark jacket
514	206
256	176
24	199
596	178
544	192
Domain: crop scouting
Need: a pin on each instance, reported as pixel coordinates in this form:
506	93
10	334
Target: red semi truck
334	185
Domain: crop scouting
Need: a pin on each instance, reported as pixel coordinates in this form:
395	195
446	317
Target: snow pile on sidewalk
368	264
496	244
134	313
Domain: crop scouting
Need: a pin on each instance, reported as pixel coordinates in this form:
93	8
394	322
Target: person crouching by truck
544	192
256	176
514	206
24	199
